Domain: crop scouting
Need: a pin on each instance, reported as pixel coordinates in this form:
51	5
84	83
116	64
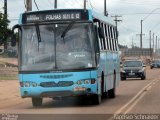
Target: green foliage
4	31
122	46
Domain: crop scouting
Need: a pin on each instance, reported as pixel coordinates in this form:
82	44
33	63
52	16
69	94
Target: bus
65	53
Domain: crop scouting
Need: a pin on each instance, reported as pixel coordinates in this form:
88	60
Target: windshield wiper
38	35
67	29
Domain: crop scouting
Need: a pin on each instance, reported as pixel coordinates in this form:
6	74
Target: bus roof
37	16
103	18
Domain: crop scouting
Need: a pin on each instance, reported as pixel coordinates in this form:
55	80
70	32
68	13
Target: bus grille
59	84
55	76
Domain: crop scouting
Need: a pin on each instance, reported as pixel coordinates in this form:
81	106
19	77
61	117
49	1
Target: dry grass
8	71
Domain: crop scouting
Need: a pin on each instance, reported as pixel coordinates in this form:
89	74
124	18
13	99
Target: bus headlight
27	84
79	82
86	81
34	84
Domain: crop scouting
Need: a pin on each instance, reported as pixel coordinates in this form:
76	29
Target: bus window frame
107	40
104	41
113	39
101	39
110	39
104	29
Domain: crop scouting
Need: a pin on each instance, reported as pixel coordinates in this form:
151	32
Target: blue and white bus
67	52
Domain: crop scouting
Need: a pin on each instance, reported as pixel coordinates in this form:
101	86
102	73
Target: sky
132	12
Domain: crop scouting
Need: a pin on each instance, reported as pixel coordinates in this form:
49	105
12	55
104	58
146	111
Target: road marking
135	103
149	88
135	99
138	99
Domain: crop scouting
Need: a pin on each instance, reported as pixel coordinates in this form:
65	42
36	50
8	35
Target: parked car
155	64
133	69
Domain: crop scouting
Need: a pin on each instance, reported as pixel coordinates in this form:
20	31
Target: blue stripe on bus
20	19
90	15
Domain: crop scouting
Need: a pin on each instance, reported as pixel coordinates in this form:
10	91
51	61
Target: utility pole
132	43
141	35
28	5
116	19
153	46
105	8
116	22
5	8
85	4
156	44
55	4
158	47
150	43
5	18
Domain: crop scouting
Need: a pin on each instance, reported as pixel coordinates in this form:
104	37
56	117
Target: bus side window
103	39
110	40
96	41
115	39
99	40
106	36
114	45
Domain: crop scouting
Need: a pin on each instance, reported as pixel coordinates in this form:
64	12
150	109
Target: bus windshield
54	50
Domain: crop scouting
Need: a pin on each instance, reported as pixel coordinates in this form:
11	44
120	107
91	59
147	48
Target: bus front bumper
59	92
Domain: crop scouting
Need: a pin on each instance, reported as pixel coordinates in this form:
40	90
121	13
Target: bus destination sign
47	17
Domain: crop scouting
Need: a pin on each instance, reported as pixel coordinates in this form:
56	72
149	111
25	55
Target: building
131	52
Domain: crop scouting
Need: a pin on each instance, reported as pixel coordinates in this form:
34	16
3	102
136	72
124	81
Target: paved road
133	96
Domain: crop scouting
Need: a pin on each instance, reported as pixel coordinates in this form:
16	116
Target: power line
79	3
50	3
25	4
125	14
140	3
36	4
92	6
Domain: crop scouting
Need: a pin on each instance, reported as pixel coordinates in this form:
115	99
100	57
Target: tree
4	31
122	46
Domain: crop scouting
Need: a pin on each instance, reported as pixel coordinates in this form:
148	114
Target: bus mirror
101	32
13	38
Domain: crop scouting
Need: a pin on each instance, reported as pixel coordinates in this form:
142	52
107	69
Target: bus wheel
37	102
112	92
97	99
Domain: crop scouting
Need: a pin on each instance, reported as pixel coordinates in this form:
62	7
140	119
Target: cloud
132	12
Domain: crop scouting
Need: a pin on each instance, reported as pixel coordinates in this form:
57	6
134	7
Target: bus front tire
97	99
37	102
